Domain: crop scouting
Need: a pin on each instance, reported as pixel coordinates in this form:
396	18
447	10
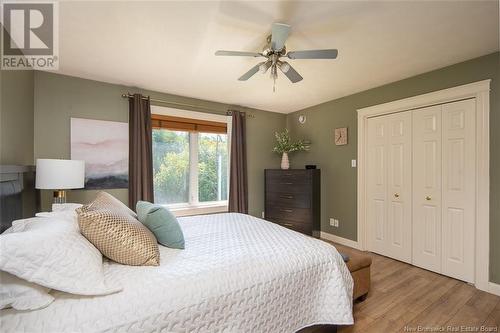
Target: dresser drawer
295	177
305	229
289	199
287	188
298	215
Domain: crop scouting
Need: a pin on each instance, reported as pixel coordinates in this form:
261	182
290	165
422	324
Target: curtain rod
154	100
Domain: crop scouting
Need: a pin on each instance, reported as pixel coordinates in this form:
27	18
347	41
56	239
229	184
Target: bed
237	274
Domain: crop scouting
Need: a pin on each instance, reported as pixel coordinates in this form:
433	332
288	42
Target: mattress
237	274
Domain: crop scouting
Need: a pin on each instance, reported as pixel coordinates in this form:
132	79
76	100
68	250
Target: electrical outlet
334	222
263	215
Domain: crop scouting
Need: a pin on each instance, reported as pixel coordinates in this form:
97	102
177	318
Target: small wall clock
341	136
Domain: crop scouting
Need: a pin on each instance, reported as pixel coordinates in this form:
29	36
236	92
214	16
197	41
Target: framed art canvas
103	145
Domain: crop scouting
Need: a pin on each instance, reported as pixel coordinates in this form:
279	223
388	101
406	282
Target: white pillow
65	207
53	254
61	211
68	216
19	225
21	294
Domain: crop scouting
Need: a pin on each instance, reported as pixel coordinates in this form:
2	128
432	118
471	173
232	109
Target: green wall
16	117
16	128
59	97
339	179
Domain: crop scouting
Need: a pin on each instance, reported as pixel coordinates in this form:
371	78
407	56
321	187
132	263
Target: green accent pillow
162	223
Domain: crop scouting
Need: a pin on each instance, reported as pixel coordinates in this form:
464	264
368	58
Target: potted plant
285	146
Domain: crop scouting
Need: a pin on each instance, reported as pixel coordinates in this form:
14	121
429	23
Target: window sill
201	209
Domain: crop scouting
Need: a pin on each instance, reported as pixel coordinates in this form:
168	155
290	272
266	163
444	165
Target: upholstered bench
359	266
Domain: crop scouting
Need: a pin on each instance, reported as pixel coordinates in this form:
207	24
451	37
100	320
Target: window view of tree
212	166
170	166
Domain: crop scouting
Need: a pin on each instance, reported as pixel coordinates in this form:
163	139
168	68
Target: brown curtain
140	173
238	183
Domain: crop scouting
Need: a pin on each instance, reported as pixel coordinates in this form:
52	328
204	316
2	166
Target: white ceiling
169	46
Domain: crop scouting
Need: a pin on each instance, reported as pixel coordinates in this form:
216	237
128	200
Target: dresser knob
428	198
396	195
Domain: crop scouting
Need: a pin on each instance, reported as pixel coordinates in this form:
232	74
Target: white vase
285	163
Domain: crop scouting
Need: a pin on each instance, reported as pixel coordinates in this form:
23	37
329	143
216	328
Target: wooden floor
403	298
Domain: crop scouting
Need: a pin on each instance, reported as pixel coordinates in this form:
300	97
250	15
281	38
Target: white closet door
377	185
427	188
389	185
399	192
458	189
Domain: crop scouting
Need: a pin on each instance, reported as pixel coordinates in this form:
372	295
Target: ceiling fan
274	50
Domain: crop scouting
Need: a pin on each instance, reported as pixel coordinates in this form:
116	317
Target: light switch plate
353	163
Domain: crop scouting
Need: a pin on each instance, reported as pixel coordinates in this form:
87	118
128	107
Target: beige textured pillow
107	201
118	235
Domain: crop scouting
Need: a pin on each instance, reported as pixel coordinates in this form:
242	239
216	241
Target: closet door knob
396	195
428	198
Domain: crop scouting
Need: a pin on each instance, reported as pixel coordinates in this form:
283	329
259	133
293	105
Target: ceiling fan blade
291	73
237	53
251	72
313	54
279	35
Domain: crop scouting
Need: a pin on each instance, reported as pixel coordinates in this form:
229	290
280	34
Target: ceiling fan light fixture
264	67
284	66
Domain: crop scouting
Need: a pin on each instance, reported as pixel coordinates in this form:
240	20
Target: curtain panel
238	181
140	173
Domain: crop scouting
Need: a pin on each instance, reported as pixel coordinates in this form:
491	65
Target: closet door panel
459	189
377	185
427	207
399	186
389	185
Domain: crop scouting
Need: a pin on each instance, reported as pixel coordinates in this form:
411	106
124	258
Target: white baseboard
494	288
340	240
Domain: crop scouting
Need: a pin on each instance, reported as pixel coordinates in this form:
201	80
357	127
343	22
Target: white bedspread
237	274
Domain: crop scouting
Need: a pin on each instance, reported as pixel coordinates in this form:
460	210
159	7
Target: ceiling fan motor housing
268	51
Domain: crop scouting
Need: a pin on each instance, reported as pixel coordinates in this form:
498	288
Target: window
212	167
190	164
170	166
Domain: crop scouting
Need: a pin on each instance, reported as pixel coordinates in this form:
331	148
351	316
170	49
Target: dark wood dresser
292	199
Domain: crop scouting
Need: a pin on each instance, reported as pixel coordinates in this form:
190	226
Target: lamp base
59	197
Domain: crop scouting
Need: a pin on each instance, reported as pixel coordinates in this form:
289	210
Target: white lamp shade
54	174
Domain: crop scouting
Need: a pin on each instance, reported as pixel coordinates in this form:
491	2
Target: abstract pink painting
103	145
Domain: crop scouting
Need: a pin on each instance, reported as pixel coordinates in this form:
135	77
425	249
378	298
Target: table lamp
59	175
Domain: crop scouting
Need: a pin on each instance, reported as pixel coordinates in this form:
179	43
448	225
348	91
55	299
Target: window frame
194	206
